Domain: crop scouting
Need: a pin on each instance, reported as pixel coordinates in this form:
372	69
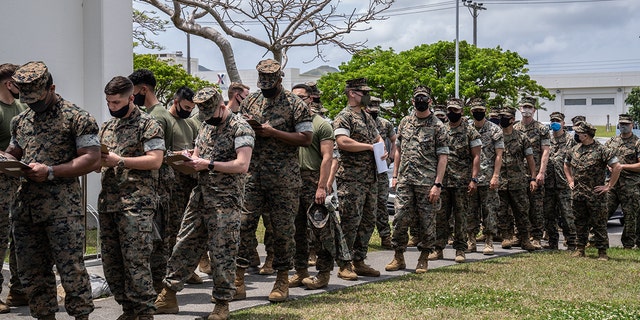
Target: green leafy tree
633	99
169	78
500	77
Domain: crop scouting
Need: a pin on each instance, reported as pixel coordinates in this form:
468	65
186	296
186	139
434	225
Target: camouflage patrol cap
31	79
625	118
495	112
421	91
440	110
359	84
315	92
585	127
477	104
268	73
577	119
374	105
508	112
455	103
556	116
528	101
207	100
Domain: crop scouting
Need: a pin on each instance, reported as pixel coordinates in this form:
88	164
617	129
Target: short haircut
7	70
303	86
119	85
236	87
184	93
143	76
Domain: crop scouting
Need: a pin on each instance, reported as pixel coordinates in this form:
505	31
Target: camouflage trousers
483	209
536	212
591	216
278	207
357	215
126	250
518	201
213	226
382	215
414	210
8	187
455	204
557	206
627	197
38	247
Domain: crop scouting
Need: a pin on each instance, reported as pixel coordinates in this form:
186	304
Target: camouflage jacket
538	135
461	139
491	136
514	172
589	164
125	188
361	127
628	152
421	142
51	138
275	163
554	177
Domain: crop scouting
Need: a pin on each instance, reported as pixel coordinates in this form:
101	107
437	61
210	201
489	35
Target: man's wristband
438	185
211	165
532	179
475	180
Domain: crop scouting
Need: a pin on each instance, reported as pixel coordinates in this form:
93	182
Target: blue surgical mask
555	126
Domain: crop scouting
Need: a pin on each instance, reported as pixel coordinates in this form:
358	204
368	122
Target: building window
602	101
575	102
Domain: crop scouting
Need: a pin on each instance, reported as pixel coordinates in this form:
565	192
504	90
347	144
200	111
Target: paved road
195	302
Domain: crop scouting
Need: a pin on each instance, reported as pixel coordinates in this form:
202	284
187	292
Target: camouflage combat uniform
386	130
455	197
47	217
627	191
589	165
273	188
212	219
420	142
557	196
357	181
127	204
485	203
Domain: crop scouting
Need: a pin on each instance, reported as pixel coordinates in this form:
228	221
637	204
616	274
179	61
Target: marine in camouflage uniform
212	219
388	134
128	199
420	163
514	183
485	203
538	135
557	196
356	132
626	147
460	181
59	141
274	187
585	168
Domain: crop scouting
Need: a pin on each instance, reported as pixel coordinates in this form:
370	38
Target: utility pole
474	9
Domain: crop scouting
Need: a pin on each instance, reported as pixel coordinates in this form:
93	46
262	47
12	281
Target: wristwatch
474	180
121	163
532	179
211	166
438	185
50	170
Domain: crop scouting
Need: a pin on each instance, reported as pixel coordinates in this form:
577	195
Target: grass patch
601	131
543	285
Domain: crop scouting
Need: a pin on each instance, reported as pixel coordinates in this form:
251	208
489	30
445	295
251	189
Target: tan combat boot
296	279
241	289
4	308
267	267
397	263
413	242
220	311
460	258
423	263
362	269
536	244
194	279
436	255
166	303
17	299
471	243
321	280
488	246
204	265
346	272
579	253
602	255
525	244
280	291
506	241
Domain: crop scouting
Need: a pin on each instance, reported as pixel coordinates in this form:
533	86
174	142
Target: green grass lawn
601	131
542	285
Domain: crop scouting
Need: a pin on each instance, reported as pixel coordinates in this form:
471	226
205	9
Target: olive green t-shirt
310	157
7	112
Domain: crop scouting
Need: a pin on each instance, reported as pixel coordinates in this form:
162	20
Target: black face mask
15	95
422	105
316	100
454	117
505	122
139	99
40	105
495	120
374	115
182	113
478	115
270	93
576	138
120	113
214	121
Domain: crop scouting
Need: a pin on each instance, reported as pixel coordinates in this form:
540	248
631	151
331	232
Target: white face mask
527	112
625	128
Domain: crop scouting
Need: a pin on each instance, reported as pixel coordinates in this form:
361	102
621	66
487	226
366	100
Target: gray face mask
625	129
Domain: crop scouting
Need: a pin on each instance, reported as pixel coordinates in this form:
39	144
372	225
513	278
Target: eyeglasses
421	99
303	97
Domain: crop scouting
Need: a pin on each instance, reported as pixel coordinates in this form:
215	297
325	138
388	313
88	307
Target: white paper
378	152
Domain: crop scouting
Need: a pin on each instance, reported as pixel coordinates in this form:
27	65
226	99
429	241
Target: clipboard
13	167
253	123
177	160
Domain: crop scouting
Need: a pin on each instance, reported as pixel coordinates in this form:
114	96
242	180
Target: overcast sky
556	36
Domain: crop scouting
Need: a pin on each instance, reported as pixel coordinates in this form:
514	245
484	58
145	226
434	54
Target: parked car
618	215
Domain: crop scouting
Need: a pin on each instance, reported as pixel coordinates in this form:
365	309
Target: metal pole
474	9
189	54
457	85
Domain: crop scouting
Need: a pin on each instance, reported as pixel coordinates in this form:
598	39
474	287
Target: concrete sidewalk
195	300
